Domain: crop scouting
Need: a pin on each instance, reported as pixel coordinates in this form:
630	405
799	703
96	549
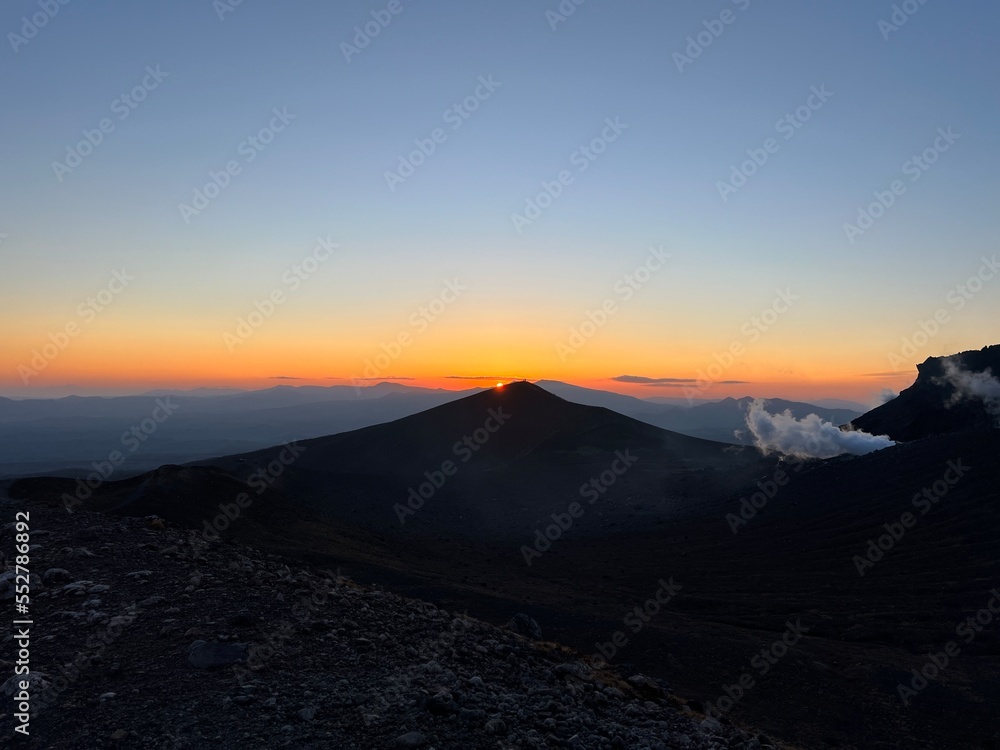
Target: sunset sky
111	285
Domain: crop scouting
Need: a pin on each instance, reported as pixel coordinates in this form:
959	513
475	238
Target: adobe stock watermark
762	663
562	12
225	7
86	312
455	116
292	280
365	33
923	501
259	481
419	320
591	491
635	620
899	17
967	630
463	449
702	40
787	127
122	106
767	489
31	25
752	330
624	289
958	297
581	158
914	168
249	148
131	440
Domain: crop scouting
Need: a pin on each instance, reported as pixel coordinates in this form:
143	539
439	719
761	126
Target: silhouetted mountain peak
957	393
513	445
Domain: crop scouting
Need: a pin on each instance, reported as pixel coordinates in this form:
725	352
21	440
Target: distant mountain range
68	434
724	420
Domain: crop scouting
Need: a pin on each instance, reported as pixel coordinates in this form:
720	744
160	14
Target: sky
731	197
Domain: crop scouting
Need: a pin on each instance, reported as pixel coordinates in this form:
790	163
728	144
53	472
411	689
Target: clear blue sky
656	184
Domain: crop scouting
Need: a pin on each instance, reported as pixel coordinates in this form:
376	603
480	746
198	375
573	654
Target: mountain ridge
928	406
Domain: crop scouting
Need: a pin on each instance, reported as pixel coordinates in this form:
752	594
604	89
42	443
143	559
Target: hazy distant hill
68	434
716	420
726	419
637	408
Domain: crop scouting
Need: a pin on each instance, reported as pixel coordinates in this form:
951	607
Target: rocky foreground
148	636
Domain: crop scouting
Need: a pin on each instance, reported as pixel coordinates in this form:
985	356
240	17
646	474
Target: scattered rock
333	664
711	725
411	739
242	620
573	669
7	588
526	626
211	654
56	575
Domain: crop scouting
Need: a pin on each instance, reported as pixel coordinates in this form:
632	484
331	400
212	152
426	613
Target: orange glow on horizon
124	357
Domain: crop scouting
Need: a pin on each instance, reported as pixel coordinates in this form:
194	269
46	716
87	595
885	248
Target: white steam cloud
886	396
978	386
811	437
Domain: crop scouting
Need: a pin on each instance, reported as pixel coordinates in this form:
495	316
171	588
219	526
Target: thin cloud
284	377
652	381
380	380
682	385
669	382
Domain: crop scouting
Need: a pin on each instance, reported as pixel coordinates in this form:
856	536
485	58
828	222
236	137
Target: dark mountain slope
516	455
926	407
300	658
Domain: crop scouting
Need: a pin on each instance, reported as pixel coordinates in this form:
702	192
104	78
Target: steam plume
807	438
973	386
